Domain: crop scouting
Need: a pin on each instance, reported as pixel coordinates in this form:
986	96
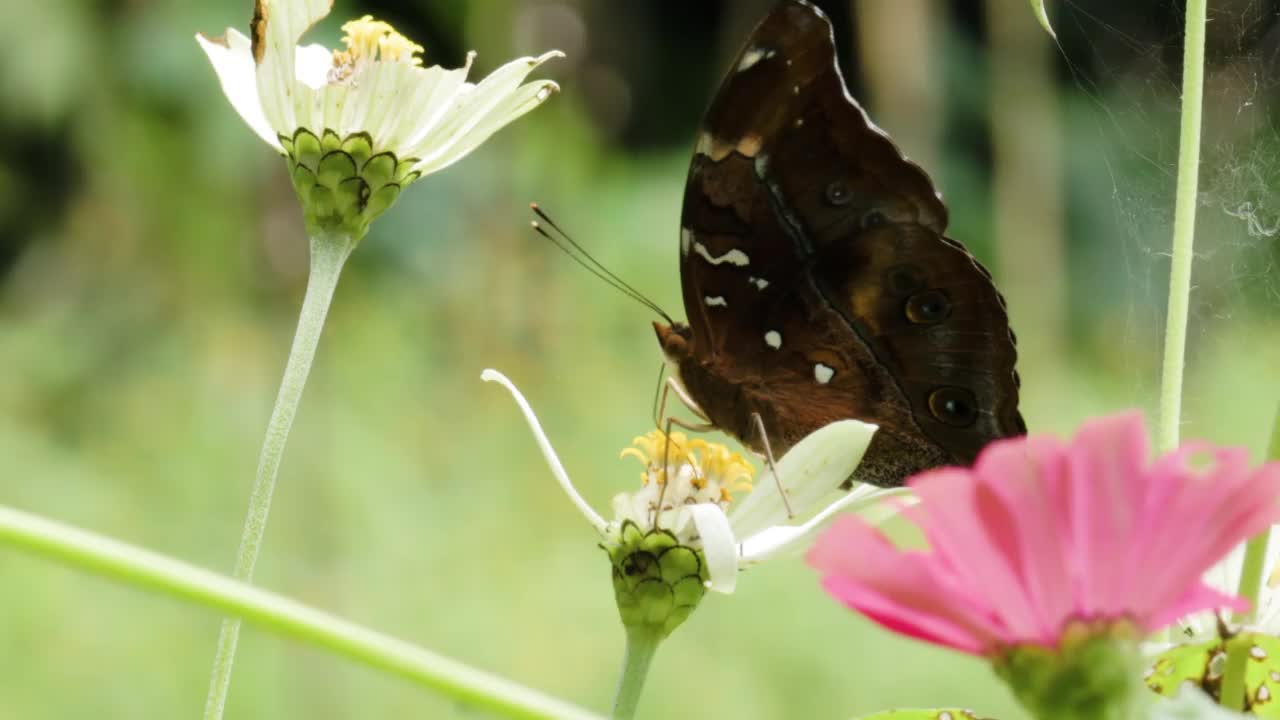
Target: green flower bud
342	183
657	581
1094	674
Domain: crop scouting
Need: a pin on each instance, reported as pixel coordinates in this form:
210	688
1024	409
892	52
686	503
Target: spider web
1123	174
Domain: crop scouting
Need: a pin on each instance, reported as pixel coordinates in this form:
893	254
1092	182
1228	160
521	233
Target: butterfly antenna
579	254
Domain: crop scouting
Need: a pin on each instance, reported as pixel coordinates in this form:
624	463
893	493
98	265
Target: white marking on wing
753	56
760	283
823	374
762	165
715	301
733	257
773	339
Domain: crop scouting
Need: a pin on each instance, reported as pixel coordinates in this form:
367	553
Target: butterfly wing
816	277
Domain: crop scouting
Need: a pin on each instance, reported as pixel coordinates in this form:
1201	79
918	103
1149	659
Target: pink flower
1040	533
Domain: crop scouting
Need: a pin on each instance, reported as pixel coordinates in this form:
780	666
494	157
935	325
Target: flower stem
642	643
328	254
1251	572
1184	222
145	569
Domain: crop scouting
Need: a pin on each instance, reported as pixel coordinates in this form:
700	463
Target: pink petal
1024	475
1106	458
892	614
1215	510
1200	597
969	531
1039	533
904	591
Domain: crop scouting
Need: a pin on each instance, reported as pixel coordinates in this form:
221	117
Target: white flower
376	85
1225	577
693	497
359	124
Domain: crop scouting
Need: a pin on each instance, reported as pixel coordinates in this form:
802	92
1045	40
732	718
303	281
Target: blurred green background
152	263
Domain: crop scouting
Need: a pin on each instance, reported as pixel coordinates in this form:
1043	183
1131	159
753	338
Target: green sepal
329	141
380	169
688	591
931	714
359	146
678	563
1093	674
1202	664
324	207
631	533
403	170
342	182
304	181
335	168
382	199
306	149
353	194
657	582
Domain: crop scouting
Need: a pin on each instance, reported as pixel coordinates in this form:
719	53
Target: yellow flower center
368	41
702	466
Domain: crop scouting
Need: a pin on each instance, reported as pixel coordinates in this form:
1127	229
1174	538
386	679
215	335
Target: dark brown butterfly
817	279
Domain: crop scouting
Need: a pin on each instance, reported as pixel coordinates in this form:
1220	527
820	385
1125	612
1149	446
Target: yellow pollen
398	48
711	462
369	39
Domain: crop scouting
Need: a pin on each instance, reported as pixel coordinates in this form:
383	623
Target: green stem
328	254
1184	222
1251	572
641	646
145	569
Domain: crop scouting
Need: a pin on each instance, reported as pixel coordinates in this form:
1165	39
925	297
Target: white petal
444	89
232	60
312	64
522	101
781	538
814	467
548	452
285	101
482	111
718	546
627	506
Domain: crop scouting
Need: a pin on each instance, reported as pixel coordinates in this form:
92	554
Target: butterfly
817	278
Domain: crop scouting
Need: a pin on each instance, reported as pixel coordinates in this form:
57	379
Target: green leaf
1197	663
1037	7
934	714
1262	678
1201	664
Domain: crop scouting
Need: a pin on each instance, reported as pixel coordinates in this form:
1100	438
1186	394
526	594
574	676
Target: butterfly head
676	340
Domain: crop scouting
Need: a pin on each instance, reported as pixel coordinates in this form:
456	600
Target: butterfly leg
660	408
665	423
666	453
773	467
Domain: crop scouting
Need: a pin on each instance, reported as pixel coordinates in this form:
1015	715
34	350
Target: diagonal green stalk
1251	572
1184	225
149	570
642	644
328	254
